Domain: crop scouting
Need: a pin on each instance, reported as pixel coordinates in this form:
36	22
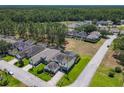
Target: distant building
93	36
87	22
122	22
104	23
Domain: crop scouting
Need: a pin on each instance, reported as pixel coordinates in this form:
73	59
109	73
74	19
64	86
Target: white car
10	72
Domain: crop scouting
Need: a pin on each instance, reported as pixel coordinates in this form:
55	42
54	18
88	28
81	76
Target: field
25	61
83	48
8	58
101	78
38	71
12	82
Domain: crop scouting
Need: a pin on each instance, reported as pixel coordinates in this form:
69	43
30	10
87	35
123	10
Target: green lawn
121	27
8	58
74	72
38	71
101	78
25	61
12	82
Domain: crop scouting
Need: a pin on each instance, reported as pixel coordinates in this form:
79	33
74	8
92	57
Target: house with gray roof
93	37
52	67
44	56
66	60
104	23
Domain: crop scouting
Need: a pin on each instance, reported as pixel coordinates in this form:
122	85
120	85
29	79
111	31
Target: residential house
44	56
52	67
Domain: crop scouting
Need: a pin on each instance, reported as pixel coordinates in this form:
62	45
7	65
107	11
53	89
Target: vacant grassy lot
8	58
38	71
83	48
25	61
74	73
101	78
12	82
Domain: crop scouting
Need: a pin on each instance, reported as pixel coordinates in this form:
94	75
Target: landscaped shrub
118	69
111	74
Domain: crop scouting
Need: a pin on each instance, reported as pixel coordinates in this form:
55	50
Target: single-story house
121	22
22	45
87	22
105	23
52	67
93	36
44	56
82	35
114	30
31	51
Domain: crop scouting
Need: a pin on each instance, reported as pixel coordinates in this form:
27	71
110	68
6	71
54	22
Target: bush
111	74
118	69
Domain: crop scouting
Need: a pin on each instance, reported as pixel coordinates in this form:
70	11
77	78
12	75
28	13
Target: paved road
56	78
12	62
85	77
23	76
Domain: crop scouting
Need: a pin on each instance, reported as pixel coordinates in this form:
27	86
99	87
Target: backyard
8	80
101	78
38	71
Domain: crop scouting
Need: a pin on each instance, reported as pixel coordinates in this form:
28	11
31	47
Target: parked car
10	72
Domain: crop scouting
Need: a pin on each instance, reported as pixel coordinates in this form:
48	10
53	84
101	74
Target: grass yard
25	61
83	48
38	71
74	73
121	27
12	82
8	58
101	78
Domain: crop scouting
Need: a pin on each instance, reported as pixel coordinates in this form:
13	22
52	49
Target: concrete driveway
24	76
85	77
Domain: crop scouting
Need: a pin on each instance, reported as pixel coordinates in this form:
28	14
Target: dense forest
41	23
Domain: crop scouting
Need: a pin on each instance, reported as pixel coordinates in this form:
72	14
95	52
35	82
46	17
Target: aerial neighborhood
45	48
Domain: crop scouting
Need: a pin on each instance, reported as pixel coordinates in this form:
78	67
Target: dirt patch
109	60
83	48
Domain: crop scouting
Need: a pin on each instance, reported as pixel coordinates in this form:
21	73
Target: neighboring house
76	34
22	45
87	22
122	22
82	35
72	33
44	56
102	28
73	25
104	23
114	30
93	36
31	51
121	32
52	67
